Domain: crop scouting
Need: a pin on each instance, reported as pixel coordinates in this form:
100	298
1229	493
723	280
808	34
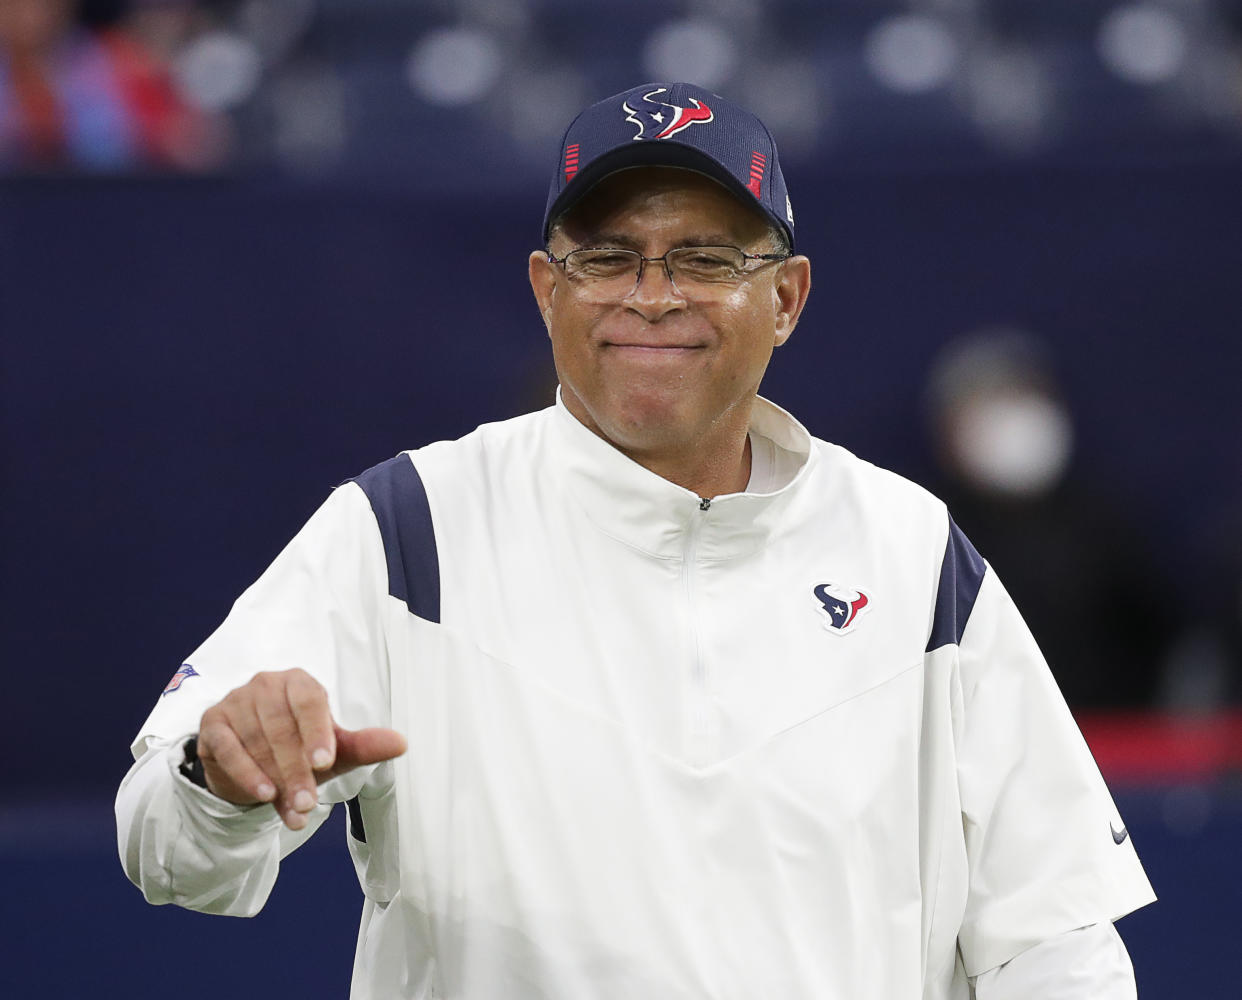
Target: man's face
662	371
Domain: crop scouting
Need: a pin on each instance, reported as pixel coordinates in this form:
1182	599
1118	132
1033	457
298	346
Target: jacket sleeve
180	844
1047	851
1089	963
319	606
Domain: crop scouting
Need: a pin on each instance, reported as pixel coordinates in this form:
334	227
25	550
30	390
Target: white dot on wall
1010	97
275	25
308	110
790	99
1142	43
911	53
511	17
695	49
453	66
536	103
218	71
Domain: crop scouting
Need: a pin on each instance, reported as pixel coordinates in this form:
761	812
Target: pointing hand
274	739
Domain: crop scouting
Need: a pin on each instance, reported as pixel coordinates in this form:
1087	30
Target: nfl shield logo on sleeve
179	678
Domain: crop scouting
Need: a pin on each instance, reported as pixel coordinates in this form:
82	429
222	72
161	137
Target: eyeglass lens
615	272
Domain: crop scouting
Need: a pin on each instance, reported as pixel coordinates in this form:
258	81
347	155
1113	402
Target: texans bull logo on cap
659	119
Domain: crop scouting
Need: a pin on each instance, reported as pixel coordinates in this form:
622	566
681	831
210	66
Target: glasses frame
643	261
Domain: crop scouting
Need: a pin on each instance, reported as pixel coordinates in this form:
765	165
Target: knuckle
207	749
307	698
214	728
296	677
304	683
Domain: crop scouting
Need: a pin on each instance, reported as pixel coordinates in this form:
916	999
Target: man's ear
543	284
789	294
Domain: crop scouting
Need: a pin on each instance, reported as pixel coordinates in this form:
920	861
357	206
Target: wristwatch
191	767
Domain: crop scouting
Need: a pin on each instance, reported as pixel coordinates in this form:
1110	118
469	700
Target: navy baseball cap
671	125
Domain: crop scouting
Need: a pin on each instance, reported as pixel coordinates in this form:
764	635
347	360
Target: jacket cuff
208	813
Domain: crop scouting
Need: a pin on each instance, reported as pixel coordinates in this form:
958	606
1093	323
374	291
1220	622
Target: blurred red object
170	132
1153	747
102	101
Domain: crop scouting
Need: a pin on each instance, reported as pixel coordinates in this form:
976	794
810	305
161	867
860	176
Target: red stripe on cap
757	162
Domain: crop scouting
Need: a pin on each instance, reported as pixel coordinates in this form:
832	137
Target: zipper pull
705	503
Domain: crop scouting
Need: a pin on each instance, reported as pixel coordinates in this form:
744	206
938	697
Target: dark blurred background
249	248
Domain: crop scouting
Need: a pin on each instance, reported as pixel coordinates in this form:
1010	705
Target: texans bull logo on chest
840	606
659	119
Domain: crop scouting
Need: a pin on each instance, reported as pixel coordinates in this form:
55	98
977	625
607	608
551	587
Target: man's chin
648	415
650	422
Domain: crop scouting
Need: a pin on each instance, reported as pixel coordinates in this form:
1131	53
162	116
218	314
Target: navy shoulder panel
961	576
399	500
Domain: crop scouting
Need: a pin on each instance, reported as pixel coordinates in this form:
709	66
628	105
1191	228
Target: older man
697	706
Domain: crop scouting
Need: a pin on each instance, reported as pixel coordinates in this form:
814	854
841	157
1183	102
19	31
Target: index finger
308	703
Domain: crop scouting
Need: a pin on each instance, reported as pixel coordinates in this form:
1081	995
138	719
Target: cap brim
666	153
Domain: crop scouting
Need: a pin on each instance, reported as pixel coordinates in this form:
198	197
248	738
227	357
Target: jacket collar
645	511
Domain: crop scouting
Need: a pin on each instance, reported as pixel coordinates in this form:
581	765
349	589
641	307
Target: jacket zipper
698	669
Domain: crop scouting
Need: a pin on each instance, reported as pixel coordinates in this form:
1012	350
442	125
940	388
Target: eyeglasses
609	273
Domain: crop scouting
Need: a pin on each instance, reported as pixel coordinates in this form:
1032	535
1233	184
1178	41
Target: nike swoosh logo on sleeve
1118	836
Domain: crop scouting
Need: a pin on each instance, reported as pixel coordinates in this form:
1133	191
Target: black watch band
192	768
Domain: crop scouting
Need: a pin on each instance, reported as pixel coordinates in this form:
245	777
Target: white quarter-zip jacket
793	744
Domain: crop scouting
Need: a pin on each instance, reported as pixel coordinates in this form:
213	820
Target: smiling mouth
656	348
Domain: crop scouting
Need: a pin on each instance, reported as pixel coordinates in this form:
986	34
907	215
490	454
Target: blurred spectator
97	101
1084	580
143	47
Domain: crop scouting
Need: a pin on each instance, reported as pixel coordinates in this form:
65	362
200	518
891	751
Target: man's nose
655	293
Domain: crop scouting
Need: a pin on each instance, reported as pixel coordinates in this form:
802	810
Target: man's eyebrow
711	240
620	240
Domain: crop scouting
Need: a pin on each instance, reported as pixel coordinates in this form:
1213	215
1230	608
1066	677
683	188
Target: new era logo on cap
672	125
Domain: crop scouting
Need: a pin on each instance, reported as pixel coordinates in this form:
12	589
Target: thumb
359	747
